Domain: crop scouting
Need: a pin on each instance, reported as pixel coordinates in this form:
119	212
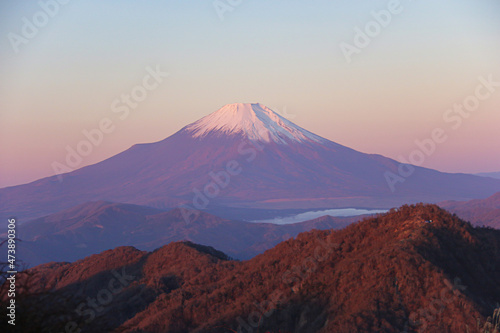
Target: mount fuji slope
242	155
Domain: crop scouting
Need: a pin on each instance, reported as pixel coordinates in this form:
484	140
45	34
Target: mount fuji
246	156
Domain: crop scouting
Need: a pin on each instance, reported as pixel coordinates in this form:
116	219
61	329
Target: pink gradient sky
284	55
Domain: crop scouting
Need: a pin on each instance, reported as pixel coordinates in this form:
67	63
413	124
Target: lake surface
318	213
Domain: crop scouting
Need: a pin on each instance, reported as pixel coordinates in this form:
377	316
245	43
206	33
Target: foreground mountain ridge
393	273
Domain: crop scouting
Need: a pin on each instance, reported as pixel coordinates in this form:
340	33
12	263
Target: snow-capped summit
256	121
